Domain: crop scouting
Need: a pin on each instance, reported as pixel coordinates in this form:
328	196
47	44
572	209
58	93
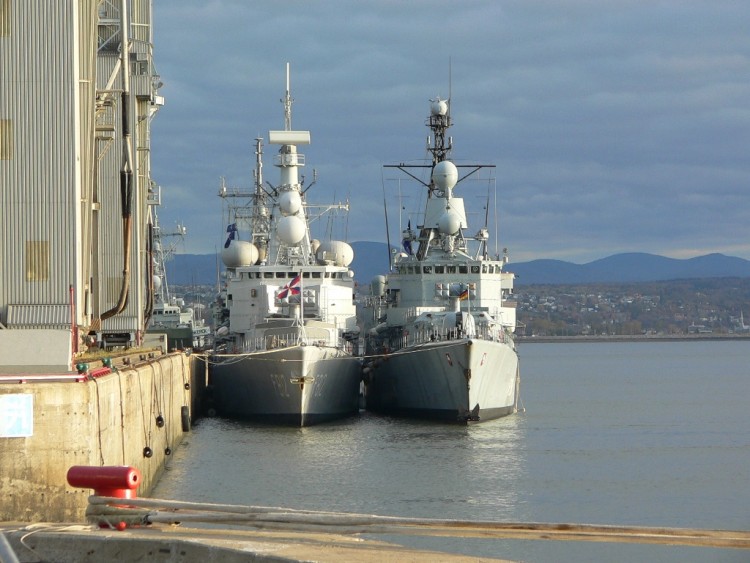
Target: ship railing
419	336
276	341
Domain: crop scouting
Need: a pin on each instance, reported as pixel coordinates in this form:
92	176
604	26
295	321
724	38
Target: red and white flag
292	288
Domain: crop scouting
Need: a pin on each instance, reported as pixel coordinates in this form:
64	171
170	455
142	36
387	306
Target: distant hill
630	267
371	259
192	269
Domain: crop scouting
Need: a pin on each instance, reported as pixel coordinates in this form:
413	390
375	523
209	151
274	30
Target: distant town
681	307
716	306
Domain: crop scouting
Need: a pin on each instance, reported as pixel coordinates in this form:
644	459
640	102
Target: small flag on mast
232	230
292	288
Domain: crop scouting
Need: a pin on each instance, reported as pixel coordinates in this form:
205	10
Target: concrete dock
129	413
86	544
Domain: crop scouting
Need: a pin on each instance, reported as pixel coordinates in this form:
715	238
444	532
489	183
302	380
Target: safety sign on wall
16	415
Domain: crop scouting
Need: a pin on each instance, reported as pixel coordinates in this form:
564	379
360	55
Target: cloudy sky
615	126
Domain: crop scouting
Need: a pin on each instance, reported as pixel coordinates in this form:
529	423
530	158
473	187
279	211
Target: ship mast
439	122
287	101
260	220
292	246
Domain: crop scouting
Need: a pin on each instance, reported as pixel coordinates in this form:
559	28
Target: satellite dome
240	253
290	202
445	175
336	251
314	245
290	230
157	283
449	223
439	107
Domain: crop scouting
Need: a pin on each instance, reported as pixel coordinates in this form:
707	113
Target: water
645	433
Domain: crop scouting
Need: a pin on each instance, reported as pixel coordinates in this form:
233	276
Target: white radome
290	202
157	283
449	223
337	251
291	230
240	253
439	107
445	175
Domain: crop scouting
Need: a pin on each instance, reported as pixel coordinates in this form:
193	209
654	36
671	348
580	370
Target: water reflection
366	464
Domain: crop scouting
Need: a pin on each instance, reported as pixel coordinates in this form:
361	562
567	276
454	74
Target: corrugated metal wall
40	181
59	185
87	32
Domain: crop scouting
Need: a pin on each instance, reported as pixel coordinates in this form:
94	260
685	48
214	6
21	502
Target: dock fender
185	416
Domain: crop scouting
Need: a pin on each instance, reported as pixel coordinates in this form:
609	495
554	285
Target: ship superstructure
170	315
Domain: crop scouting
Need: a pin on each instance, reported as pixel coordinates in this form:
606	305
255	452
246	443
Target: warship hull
463	380
297	386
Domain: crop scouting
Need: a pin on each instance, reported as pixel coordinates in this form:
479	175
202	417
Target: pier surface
77	543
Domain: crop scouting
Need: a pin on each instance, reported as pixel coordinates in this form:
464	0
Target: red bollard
118	481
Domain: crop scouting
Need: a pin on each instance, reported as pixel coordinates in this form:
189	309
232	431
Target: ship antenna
287	101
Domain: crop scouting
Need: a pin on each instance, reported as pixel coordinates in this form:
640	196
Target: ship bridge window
316	274
439	269
267	274
306	275
291	275
475	269
451	269
280	275
427	269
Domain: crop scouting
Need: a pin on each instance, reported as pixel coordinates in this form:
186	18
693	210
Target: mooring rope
151	511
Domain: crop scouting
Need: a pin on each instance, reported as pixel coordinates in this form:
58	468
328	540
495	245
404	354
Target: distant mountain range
629	268
371	259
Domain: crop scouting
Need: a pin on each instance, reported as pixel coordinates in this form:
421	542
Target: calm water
654	434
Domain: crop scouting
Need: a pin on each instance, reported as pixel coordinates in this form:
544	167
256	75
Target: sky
614	126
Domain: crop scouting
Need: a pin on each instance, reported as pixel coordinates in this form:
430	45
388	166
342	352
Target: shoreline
633	338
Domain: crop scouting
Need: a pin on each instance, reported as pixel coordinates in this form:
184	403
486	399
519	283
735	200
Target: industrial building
77	98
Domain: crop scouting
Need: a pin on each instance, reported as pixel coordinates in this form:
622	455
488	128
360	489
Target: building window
6	135
37	260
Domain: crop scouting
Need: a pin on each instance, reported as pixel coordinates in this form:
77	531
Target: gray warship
439	326
285	320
